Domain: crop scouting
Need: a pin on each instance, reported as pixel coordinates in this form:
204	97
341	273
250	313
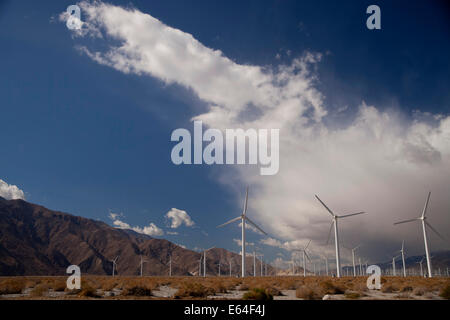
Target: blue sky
85	138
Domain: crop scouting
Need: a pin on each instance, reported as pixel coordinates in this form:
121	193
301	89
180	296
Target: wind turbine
402	251
336	235
204	261
142	262
243	217
420	263
353	258
393	265
170	265
360	267
326	263
230	267
261	262
254	263
114	265
423	218
303	251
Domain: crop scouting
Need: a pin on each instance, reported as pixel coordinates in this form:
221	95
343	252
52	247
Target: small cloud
278	56
239	242
10	191
178	217
173	233
150	230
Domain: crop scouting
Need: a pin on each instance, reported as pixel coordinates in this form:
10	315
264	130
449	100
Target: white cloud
10	191
150	230
239	242
377	161
178	217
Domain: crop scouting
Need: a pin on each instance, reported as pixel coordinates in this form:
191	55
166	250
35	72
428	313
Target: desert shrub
419	291
58	285
352	295
39	290
243	287
257	294
218	287
88	291
12	286
388	289
308	292
190	289
330	288
360	286
273	291
406	289
137	291
445	292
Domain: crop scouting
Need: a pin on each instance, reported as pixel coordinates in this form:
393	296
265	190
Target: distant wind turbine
114	262
336	235
142	262
393	265
421	269
353	258
204	261
423	218
303	251
402	251
243	217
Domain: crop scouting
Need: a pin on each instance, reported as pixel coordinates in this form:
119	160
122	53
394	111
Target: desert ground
257	288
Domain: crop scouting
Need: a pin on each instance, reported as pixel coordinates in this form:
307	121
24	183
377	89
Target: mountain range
37	241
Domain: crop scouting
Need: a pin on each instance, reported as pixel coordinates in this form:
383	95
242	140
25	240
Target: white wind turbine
204	261
393	265
423	218
114	262
421	269
142	262
336	235
303	251
353	258
243	217
402	251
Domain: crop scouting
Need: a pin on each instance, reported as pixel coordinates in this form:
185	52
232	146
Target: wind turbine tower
243	217
336	235
425	224
114	262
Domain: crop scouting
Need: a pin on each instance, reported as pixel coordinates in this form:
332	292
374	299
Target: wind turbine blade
426	205
329	232
405	221
435	231
352	214
246	201
228	222
307	256
403	244
328	209
307	245
254	224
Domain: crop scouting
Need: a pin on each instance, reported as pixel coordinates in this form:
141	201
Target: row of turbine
334	223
